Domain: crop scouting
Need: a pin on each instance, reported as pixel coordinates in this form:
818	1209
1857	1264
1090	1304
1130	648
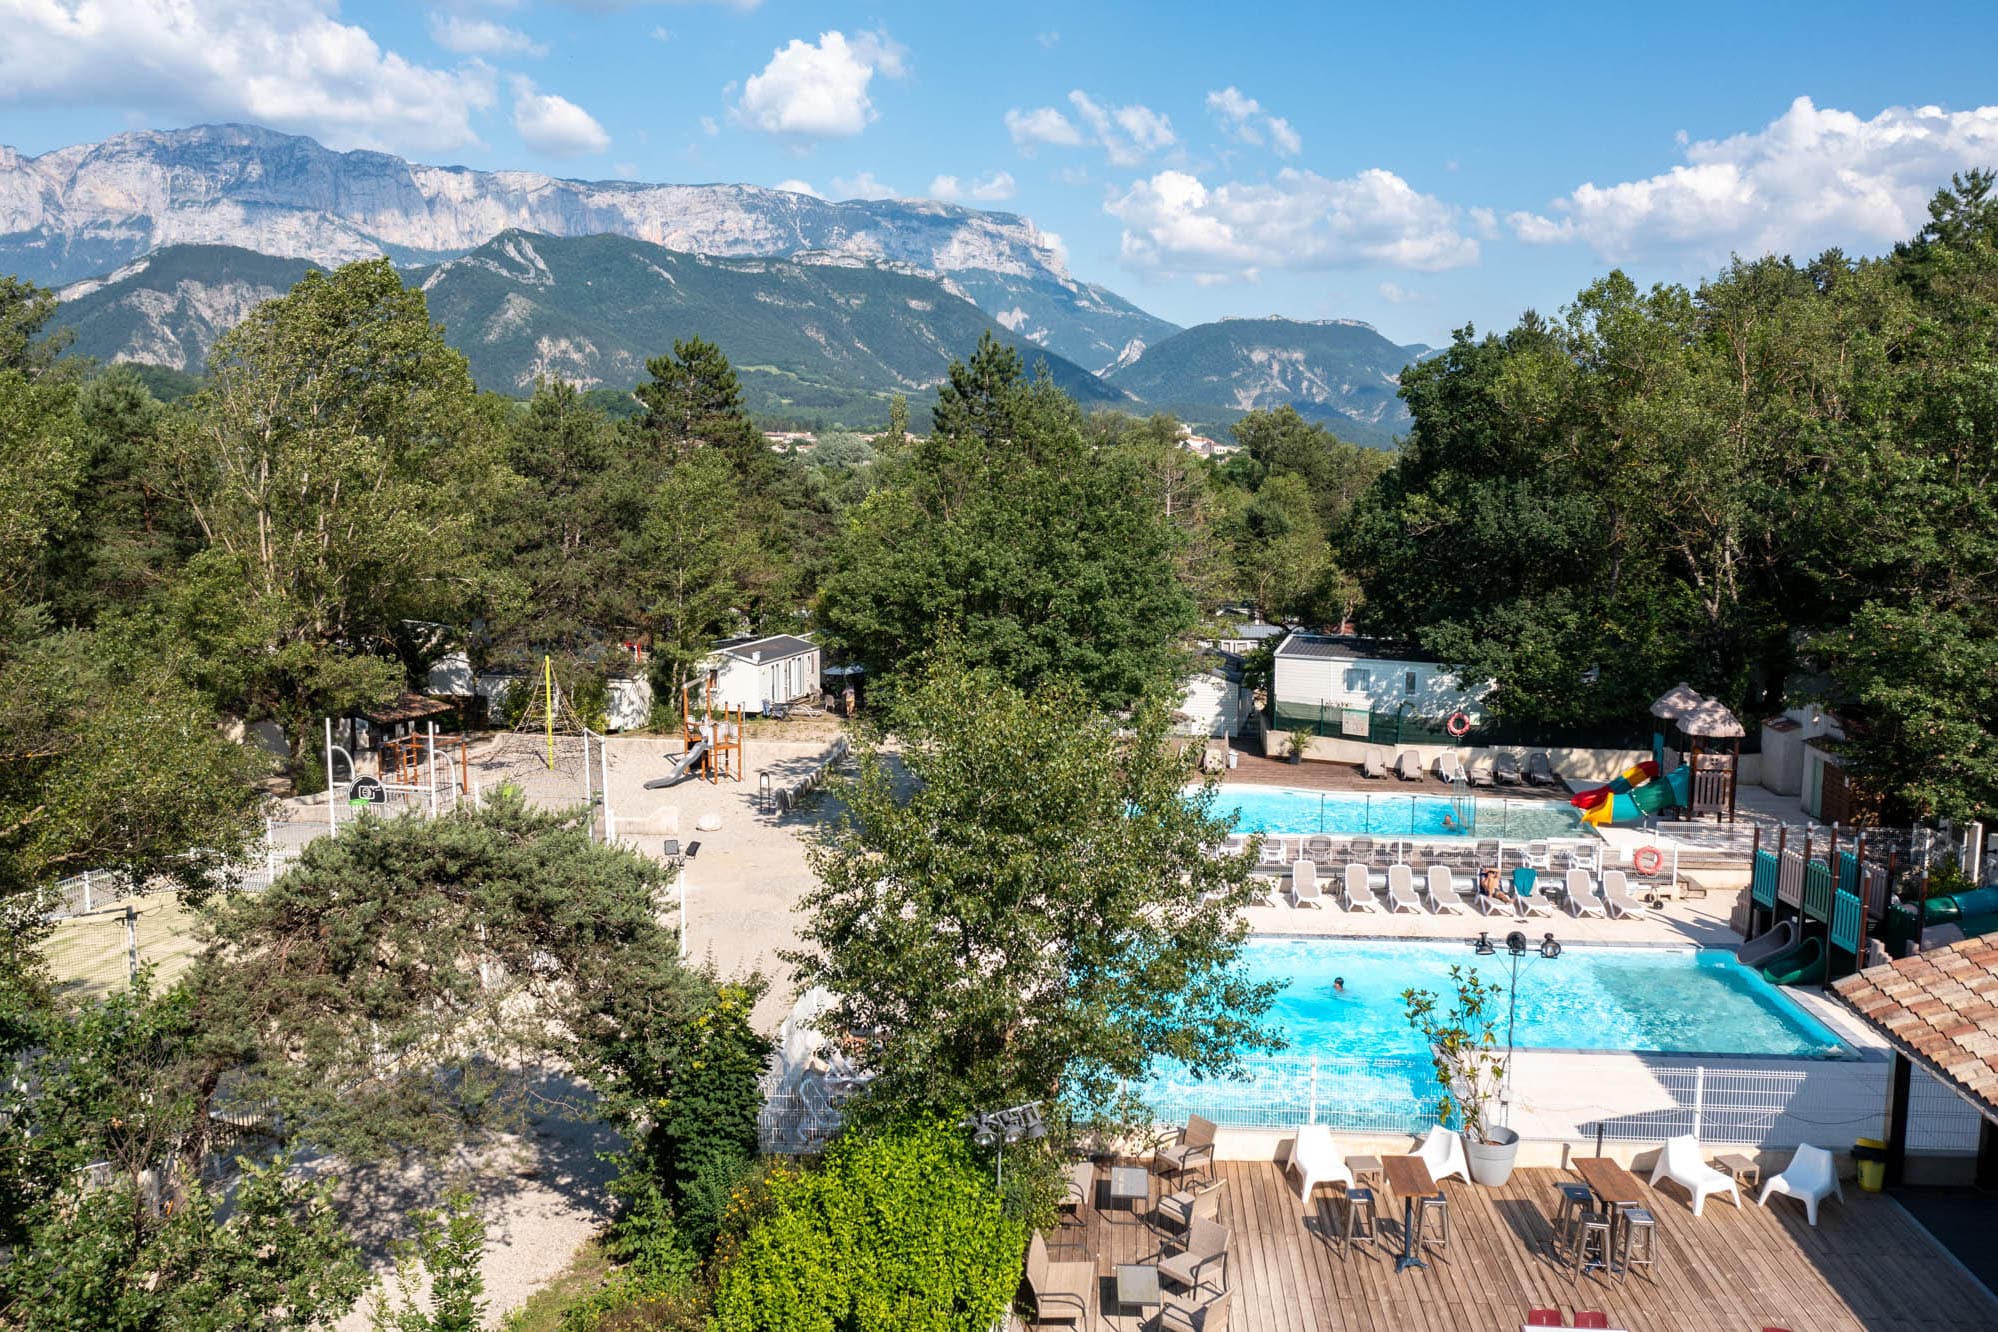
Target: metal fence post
1312	1112
131	943
86	892
1699	1098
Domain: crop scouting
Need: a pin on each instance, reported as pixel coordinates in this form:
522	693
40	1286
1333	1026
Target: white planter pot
1491	1162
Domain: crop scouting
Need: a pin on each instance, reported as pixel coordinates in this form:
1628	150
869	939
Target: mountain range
162	240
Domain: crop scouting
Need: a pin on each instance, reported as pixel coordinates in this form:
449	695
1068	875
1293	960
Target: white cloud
476	36
862	186
1243	119
1127	134
1809	179
554	125
1041	125
997	186
662	33
290	64
819	91
1049	39
1175	225
625	170
798	187
708	126
1396	294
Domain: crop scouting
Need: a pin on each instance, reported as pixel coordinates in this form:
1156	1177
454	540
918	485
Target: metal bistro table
1614	1187
1138	1288
1408	1179
1130	1185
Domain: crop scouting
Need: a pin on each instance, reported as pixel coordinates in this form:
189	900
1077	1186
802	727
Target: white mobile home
753	673
1340	682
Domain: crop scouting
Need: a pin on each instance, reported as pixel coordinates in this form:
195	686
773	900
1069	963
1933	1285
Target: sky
1418	167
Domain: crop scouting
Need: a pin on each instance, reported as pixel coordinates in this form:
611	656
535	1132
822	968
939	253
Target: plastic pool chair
1442	1150
1616	892
1811	1177
1523	877
1680	1162
1315	1158
1358	894
1442	895
1401	890
1373	764
1304	884
1579	886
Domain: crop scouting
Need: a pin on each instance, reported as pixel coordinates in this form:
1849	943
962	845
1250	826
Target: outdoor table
1613	1186
1130	1185
1364	1168
1408	1179
1138	1287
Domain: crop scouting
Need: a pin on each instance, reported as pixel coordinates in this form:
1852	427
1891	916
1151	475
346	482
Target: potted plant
1293	748
1470	1069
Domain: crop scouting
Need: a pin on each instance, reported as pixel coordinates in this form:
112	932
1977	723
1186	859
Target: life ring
1648	859
1459	724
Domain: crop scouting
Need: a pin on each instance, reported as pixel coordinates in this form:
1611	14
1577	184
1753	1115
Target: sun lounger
1505	770
1304	884
1811	1177
1442	892
1273	856
1479	771
1539	772
1408	766
1373	764
1579	887
1358	894
1680	1162
1616	892
1450	768
1526	901
1401	890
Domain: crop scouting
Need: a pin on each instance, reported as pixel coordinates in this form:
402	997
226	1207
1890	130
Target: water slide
1768	945
1638	791
1799	966
683	765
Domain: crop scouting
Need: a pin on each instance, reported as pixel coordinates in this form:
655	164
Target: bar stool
1356	1199
1442	1207
1592	1230
1637	1241
1575	1200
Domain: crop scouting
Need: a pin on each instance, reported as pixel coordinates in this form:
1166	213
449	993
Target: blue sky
1414	166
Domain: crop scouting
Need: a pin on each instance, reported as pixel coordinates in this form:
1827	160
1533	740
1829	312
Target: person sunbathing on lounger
1490	885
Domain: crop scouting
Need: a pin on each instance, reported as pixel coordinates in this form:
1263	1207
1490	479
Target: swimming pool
1648	1000
1355	1064
1283	809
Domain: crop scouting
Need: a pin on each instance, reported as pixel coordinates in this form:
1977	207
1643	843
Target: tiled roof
1939	1007
1347	647
774	647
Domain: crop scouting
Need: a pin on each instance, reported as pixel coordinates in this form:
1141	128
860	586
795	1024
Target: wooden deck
1868	1265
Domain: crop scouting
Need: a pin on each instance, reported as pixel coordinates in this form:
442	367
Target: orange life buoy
1459	724
1648	859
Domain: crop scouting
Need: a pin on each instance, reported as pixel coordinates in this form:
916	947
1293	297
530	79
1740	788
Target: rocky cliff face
88	209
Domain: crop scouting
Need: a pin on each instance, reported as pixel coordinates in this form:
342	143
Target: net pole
548	706
332	817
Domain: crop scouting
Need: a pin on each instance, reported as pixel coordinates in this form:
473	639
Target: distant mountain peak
87	209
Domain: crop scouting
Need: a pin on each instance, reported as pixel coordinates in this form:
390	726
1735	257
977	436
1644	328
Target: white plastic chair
1680	1162
1579	887
1316	1159
1442	1150
1442	892
1616	892
1811	1177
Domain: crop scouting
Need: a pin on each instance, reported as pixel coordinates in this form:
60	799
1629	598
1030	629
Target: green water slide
1804	965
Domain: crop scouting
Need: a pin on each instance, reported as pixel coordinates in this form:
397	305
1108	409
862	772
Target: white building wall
1373	685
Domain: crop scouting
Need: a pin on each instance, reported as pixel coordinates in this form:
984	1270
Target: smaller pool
1283	809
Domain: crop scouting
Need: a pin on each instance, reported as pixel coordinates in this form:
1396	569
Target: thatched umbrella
1711	720
1676	702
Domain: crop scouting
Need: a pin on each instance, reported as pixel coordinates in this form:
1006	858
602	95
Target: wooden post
1897	1118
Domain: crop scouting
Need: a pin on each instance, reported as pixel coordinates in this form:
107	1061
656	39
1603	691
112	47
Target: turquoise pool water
1650	1000
1283	809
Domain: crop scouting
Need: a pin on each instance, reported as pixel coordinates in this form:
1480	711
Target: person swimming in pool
1338	985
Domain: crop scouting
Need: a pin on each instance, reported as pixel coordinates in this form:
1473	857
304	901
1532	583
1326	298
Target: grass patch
587	1270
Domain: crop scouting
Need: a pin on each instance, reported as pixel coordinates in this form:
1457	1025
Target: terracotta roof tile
1940	1006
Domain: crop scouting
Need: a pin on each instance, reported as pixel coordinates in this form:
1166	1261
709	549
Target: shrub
902	1229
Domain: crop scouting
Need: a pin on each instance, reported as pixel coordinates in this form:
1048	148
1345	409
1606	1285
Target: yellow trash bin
1870	1155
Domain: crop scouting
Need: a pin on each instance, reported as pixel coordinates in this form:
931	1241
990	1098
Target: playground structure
1814	904
1703	784
419	762
714	741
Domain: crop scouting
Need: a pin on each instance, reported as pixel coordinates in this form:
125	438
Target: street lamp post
998	1128
1516	948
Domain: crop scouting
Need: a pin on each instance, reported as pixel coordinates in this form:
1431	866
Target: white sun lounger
1373	763
1408	766
1442	895
1358	894
1616	892
1401	890
1680	1162
1450	768
1580	888
1304	884
1811	1177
